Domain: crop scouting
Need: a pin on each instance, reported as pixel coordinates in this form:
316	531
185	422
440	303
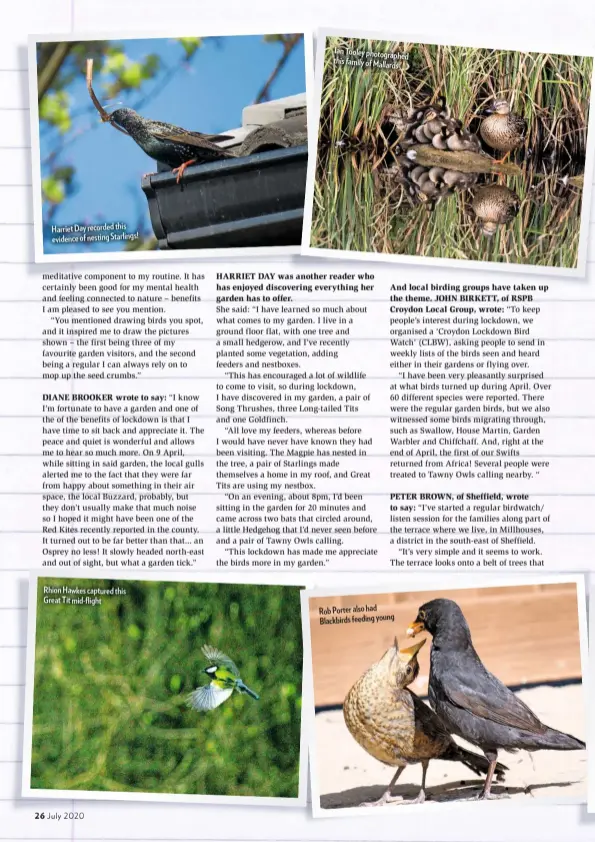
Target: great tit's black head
436	615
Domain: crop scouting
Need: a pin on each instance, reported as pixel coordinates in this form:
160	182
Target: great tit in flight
224	679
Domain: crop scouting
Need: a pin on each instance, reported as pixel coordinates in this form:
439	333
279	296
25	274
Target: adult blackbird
470	701
393	725
168	144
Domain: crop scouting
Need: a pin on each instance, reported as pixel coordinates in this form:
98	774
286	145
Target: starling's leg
386	797
180	170
486	793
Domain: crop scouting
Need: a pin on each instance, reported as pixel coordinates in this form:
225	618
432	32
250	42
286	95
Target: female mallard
503	130
495	205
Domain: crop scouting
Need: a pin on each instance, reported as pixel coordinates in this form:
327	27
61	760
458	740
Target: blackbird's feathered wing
481	693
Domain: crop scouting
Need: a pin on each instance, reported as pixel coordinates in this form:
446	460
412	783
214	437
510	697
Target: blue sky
208	95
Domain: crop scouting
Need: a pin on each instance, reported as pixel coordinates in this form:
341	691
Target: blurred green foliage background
111	683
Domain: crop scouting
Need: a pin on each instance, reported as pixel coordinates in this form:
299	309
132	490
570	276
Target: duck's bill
415	628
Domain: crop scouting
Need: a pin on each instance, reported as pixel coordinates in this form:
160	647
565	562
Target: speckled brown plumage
494	205
393	725
502	130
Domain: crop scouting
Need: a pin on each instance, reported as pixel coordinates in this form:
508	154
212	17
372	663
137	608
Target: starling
393	725
473	703
168	144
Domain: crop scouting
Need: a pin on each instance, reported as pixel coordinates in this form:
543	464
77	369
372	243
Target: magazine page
297	422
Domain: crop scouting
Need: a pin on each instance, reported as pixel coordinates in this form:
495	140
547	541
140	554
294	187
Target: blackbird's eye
422	615
409	669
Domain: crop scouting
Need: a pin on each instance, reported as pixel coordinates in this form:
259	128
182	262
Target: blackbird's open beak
415	628
413	650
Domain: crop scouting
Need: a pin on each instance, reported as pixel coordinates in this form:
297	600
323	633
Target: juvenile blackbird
473	703
168	144
393	725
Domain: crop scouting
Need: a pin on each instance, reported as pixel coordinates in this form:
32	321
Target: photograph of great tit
490	704
224	679
186	689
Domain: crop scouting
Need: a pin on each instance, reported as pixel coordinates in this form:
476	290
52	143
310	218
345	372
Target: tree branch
288	48
51	68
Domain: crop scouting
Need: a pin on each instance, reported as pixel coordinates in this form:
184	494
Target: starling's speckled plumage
393	725
168	144
473	703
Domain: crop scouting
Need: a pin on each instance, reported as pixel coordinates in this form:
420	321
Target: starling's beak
415	628
413	650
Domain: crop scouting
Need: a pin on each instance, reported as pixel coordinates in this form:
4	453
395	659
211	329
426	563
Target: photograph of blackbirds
472	702
396	727
441	696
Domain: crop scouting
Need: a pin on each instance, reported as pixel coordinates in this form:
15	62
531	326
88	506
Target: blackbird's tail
476	762
558	741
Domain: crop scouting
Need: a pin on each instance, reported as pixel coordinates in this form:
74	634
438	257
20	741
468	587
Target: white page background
553	25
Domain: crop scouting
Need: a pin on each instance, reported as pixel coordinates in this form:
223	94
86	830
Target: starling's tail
245	689
558	741
476	762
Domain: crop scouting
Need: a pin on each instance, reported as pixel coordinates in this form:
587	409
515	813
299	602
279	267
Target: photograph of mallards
460	153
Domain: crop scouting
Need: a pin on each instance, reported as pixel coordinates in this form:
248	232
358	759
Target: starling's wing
208	697
470	686
167	131
220	658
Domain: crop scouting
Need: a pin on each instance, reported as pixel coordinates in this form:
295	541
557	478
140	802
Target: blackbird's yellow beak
413	650
415	628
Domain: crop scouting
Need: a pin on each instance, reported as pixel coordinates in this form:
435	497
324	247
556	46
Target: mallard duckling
439	140
495	205
502	130
462	140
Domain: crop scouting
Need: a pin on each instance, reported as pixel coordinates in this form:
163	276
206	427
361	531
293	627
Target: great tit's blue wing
208	697
220	658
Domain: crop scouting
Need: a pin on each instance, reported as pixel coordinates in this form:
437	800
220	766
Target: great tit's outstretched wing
208	697
220	658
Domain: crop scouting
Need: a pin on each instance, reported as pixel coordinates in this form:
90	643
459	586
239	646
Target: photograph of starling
452	153
154	145
170	145
502	716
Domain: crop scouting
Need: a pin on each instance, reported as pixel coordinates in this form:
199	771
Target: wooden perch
472	162
105	117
